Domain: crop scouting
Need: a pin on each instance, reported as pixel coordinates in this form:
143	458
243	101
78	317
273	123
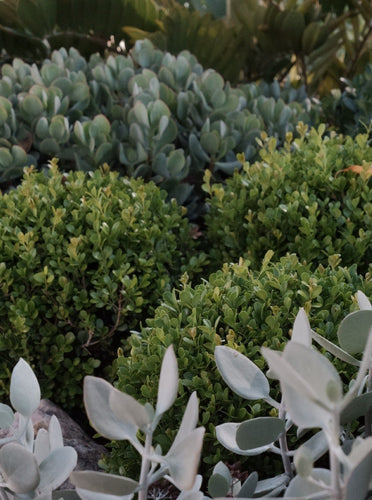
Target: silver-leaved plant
31	467
312	398
116	415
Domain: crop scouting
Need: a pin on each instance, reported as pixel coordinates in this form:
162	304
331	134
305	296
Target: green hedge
239	307
82	259
300	199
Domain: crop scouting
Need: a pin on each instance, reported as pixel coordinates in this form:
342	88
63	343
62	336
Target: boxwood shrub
82	259
239	307
313	198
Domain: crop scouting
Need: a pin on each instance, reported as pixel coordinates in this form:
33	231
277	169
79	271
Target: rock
89	452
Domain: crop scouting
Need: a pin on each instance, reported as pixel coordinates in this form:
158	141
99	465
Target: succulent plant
116	415
31	467
312	397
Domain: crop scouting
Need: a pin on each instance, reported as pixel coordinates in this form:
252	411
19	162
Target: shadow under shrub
239	307
304	198
82	259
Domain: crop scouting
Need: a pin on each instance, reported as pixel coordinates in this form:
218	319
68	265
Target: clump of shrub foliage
239	307
83	259
312	197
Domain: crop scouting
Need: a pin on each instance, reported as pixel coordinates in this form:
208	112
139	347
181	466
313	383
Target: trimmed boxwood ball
239	307
83	258
306	198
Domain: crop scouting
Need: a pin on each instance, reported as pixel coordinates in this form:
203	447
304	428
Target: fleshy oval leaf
103	483
226	435
354	330
57	467
168	382
258	432
19	468
96	399
6	416
24	389
241	374
301	329
363	301
128	410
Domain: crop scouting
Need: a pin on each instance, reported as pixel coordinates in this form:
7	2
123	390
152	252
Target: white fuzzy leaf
241	374
301	329
24	389
168	382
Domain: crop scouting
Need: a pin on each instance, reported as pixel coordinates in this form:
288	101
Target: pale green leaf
128	410
183	459
189	419
335	350
226	435
41	445
24	389
317	445
168	382
55	434
6	416
310	384
363	301
103	484
301	329
219	483
354	330
57	467
249	486
357	407
301	487
96	399
303	461
258	432
18	468
357	482
241	374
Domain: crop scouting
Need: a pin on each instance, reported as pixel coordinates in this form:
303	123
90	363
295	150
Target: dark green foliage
239	307
83	259
148	115
299	199
350	111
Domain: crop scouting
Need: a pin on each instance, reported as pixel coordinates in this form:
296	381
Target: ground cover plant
312	197
243	308
83	259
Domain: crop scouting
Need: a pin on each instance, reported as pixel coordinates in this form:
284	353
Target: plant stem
145	467
284	446
333	458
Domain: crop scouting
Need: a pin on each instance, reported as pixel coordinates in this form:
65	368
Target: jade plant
312	398
31	467
116	415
